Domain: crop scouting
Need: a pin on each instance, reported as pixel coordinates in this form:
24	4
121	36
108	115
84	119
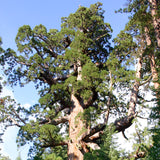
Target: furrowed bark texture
75	128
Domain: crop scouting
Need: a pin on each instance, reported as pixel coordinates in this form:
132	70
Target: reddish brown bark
156	19
76	125
154	72
156	23
152	61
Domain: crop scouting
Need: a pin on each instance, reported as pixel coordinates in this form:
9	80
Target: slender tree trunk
156	19
134	93
156	23
154	72
152	61
126	122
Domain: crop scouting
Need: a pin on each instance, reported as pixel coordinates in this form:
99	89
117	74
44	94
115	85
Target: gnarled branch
53	144
55	121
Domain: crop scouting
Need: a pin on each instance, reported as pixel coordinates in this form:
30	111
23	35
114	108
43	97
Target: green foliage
154	151
108	149
58	153
51	59
96	155
140	20
52	157
47	55
108	144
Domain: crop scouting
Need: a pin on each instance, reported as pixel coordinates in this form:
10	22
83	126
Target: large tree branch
91	99
94	130
16	114
48	78
101	36
124	122
55	121
146	81
95	136
93	146
23	63
53	144
52	53
120	125
61	107
14	121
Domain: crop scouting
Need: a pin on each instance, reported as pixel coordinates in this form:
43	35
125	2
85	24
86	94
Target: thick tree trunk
156	19
77	126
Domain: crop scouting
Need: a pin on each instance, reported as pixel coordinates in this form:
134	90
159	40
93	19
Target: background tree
144	22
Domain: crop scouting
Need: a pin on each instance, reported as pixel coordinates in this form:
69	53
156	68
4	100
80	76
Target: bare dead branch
141	117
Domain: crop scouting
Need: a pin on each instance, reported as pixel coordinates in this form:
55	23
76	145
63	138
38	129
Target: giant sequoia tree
68	67
76	72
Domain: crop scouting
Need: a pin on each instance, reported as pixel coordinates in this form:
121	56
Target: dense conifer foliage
84	83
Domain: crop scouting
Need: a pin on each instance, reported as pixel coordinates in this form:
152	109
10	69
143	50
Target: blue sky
16	13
